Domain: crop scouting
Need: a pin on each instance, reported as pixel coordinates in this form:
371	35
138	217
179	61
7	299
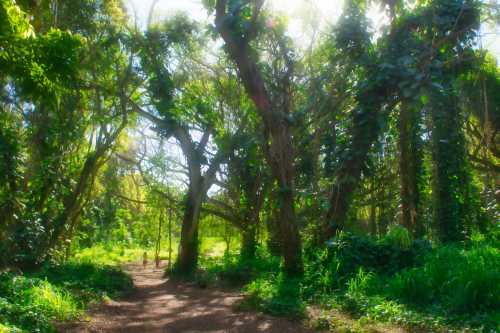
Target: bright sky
303	16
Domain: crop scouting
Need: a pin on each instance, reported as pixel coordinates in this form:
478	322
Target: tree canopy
108	127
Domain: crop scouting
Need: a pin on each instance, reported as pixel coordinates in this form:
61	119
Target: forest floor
159	304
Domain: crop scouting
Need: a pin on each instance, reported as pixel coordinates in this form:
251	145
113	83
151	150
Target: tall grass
57	293
108	254
32	305
444	289
462	280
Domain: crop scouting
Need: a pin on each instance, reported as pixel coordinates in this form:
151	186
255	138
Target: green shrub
331	268
9	329
32	303
399	236
463	280
276	295
235	270
449	288
108	254
88	279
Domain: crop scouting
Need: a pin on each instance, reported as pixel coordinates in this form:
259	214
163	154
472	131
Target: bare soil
159	304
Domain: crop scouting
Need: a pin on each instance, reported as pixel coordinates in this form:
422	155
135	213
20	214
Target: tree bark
373	209
279	152
291	245
451	180
409	168
188	254
248	242
364	132
169	237
158	239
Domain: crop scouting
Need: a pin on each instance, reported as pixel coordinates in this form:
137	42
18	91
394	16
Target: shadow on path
161	305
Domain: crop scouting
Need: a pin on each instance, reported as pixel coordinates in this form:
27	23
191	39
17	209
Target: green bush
463	280
32	303
109	254
331	268
276	295
235	270
457	285
88	279
391	279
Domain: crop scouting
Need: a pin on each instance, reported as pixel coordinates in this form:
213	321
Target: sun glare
304	16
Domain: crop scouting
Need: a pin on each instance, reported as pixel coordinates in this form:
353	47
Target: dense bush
231	269
32	303
88	278
455	285
463	280
109	254
408	283
331	268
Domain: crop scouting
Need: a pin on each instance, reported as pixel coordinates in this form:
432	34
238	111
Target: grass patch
109	254
32	305
57	293
276	295
88	281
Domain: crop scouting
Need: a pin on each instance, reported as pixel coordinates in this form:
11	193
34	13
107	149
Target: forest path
159	304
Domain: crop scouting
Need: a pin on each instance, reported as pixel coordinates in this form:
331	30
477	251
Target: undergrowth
32	303
444	289
109	254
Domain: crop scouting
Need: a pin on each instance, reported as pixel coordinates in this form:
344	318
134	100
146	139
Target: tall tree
183	115
410	167
238	32
401	66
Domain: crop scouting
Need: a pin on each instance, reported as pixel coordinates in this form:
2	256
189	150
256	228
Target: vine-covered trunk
73	201
451	180
410	166
291	245
364	131
373	209
188	252
278	146
281	158
249	242
9	178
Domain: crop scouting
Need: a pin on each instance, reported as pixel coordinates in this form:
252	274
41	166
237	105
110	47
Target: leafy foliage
33	303
377	147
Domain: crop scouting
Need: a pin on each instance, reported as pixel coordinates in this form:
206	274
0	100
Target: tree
180	116
404	63
410	167
274	107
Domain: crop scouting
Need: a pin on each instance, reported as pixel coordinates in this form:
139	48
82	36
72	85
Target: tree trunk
292	247
364	132
169	237
373	209
451	180
409	168
158	239
72	202
188	254
274	240
279	152
249	242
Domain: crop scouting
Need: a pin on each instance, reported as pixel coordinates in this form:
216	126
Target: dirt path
160	305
